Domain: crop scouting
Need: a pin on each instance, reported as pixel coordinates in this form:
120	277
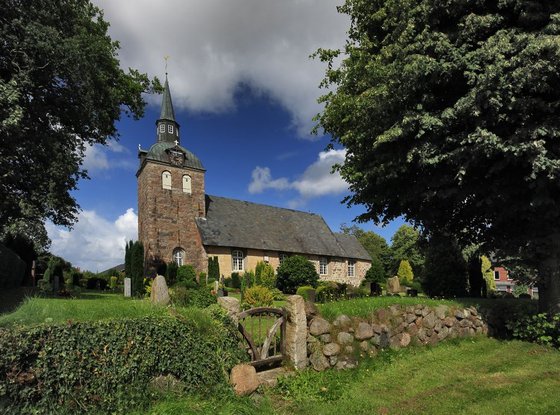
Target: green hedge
12	268
106	365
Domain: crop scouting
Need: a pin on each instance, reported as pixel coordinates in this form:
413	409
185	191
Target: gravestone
393	285
56	284
127	287
160	293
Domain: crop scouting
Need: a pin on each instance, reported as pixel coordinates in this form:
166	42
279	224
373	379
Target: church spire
167	127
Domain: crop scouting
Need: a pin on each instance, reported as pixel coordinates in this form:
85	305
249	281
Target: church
178	221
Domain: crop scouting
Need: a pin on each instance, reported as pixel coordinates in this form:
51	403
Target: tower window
170	129
162	128
179	256
323	266
187	188
237	259
166	180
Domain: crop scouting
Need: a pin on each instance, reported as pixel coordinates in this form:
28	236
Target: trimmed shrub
105	366
304	291
186	276
213	269
257	296
328	291
235	280
405	273
294	272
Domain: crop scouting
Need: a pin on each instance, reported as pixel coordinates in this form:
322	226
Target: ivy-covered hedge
107	365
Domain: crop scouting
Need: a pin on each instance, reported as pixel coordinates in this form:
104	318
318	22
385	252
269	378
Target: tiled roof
240	224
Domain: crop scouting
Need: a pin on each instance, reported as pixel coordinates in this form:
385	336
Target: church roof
167	111
160	152
240	224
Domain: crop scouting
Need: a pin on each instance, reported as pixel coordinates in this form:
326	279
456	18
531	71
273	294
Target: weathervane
166	58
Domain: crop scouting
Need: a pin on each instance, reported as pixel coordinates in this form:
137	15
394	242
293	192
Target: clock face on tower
176	158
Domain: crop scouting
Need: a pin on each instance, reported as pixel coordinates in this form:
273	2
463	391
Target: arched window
179	256
187	188
166	180
237	258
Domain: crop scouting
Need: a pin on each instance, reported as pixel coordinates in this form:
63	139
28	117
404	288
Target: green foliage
374	244
541	328
213	269
171	273
488	274
257	296
62	62
200	297
520	289
106	366
137	268
186	276
329	291
405	245
445	268
294	272
449	112
405	273
235	280
265	275
376	273
477	284
304	291
12	268
113	283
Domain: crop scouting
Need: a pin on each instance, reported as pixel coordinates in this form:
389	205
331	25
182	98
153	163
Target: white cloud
96	157
94	243
215	45
317	180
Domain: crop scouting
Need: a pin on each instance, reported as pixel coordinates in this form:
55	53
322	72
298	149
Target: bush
235	280
405	273
171	273
186	276
304	291
257	296
113	283
265	275
540	328
213	269
376	273
327	292
96	283
294	272
105	366
356	292
182	296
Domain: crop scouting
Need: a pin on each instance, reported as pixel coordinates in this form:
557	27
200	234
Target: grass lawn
481	376
90	306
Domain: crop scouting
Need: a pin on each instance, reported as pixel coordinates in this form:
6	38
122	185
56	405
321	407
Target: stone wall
340	344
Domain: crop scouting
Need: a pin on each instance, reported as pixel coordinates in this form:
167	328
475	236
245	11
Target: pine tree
405	273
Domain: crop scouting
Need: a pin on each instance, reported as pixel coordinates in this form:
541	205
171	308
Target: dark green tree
127	259
376	275
405	245
171	273
61	90
450	115
294	272
477	284
446	269
137	268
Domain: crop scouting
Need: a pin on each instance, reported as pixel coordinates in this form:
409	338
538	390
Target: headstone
296	332
231	305
127	287
160	292
56	284
393	285
244	379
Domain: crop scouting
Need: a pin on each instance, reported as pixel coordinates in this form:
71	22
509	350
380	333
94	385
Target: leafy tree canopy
450	114
374	244
61	90
405	245
295	272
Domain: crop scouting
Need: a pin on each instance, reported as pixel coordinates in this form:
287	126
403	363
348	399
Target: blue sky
244	93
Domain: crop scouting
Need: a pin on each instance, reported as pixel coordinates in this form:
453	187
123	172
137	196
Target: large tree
374	244
405	245
61	90
450	114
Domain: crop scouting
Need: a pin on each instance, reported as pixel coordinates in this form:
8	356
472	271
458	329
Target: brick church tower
171	195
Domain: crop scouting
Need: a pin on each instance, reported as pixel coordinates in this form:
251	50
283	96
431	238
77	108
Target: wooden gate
264	330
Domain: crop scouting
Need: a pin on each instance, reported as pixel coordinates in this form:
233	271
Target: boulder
231	305
244	379
441	311
400	340
311	310
345	338
364	331
430	321
393	285
331	349
319	326
159	293
319	362
325	338
342	321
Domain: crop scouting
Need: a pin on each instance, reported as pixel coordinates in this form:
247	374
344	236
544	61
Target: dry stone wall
340	344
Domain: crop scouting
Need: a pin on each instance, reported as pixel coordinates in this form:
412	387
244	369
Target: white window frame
179	256
323	266
351	268
162	128
166	180
237	260
170	128
187	184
